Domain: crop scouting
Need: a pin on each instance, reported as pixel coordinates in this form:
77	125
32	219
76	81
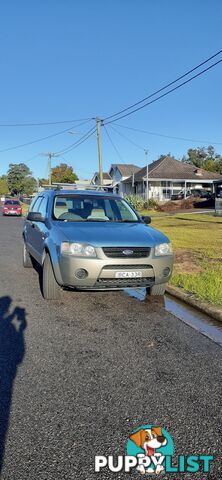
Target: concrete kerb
207	308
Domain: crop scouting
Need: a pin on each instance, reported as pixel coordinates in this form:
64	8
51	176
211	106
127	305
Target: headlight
78	249
163	249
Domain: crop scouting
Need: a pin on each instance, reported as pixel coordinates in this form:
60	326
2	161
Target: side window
35	204
42	208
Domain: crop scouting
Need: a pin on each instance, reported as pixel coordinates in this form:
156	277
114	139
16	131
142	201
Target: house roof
126	169
172	169
106	175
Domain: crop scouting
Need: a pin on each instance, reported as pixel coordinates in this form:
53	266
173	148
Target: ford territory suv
94	240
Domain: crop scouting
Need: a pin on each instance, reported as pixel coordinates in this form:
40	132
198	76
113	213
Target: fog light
81	273
166	271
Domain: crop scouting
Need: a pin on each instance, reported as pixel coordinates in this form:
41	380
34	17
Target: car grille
124	282
127	267
117	252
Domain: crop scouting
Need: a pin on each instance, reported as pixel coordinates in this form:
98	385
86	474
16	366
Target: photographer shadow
12	351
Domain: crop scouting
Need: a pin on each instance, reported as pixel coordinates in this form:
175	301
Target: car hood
105	234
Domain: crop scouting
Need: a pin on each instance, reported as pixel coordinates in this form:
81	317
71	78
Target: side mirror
35	217
146	219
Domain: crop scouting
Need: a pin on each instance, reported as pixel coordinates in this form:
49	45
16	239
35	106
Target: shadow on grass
12	351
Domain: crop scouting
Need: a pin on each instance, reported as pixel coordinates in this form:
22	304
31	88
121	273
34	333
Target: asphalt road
76	376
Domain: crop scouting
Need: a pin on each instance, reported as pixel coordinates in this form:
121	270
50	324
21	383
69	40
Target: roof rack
83	186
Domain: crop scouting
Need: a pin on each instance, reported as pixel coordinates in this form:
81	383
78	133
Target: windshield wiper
95	220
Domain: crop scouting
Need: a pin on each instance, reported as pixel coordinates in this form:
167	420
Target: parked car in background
193	192
200	193
94	241
12	207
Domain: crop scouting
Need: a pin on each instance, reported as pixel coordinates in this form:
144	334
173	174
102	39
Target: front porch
162	190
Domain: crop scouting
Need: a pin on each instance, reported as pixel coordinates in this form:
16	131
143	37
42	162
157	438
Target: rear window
12	202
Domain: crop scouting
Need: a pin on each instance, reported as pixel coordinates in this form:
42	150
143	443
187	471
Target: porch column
185	189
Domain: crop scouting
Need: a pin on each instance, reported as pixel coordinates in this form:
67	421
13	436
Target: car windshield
12	202
92	208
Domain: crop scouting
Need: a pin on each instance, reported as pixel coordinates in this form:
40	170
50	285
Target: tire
50	287
27	261
157	290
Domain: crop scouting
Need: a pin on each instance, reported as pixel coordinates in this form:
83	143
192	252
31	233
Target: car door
41	229
29	228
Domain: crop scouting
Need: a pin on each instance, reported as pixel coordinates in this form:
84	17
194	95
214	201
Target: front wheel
27	261
157	290
50	287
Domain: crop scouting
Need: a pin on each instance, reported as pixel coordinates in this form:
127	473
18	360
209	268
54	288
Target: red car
12	207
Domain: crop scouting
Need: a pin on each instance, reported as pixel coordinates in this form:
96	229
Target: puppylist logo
149	451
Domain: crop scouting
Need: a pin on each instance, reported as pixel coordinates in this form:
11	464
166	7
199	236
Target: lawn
25	208
197	243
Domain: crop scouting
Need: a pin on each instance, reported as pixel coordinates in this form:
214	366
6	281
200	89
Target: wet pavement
199	321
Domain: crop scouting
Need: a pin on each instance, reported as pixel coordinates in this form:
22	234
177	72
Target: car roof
84	193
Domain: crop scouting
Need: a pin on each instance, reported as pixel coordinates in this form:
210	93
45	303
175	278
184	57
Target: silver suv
94	240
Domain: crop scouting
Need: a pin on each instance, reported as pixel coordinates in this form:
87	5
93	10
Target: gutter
204	307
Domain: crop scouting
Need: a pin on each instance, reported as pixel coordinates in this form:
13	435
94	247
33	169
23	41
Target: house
168	176
120	172
107	181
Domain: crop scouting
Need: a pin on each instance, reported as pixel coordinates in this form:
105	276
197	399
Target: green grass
25	208
200	237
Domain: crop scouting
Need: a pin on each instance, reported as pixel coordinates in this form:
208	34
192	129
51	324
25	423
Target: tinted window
12	202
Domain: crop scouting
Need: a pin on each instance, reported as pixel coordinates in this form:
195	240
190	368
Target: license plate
125	274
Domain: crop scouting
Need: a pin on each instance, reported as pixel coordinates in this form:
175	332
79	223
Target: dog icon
149	440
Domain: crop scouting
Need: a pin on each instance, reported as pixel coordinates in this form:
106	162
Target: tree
29	185
3	185
63	173
205	158
19	179
43	181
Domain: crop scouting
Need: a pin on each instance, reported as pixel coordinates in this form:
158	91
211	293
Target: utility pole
50	155
98	125
50	168
147	176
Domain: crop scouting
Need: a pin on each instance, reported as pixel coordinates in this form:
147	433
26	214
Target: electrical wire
43	138
78	142
113	144
169	136
128	139
167	93
42	123
166	86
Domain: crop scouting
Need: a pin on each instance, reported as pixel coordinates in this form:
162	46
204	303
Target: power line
42	139
113	144
168	136
78	142
167	93
43	123
166	86
128	139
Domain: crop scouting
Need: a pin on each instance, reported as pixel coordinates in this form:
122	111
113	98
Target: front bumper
13	213
101	271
